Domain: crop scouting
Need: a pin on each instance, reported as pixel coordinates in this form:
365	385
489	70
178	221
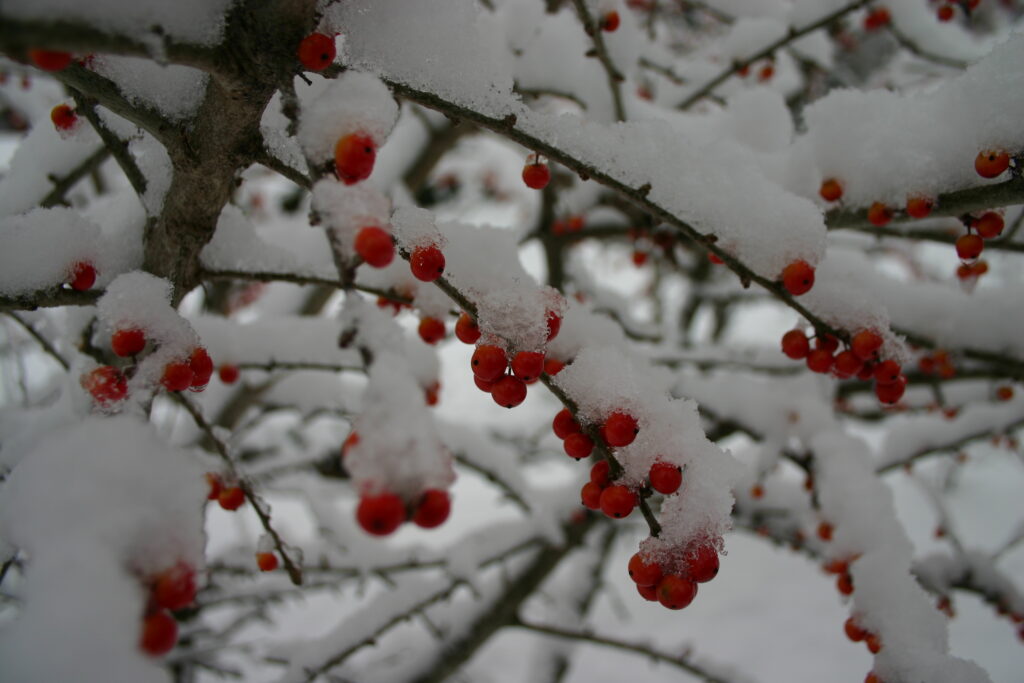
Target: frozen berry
432	394
83	276
879	214
847	364
267	562
381	514
610	21
675	592
888	371
795	344
578	445
798	277
175	588
989	225
702	565
509	391
202	368
866	344
49	60
433	509
106	384
316	51
228	373
431	330
527	365
820	361
969	246
554	322
489	362
620	429
600	473
536	175
213	486
553	366
159	634
876	19
127	342
177	376
644	573
919	207
649	593
63	117
590	496
831	190
426	263
825	531
666	477
853	631
231	497
618	501
354	155
991	163
892	392
374	246
466	329
565	424
945	13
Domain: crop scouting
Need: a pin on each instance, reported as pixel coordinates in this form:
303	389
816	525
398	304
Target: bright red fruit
177	376
853	631
969	246
1004	393
350	442
795	344
826	341
483	385
644	573
892	392
527	365
831	190
63	117
159	634
433	509
879	214
945	13
231	497
876	19
578	445
610	21
426	263
374	245
649	593
554	324
267	562
847	364
175	588
213	484
866	344
354	155
553	366
665	477
819	360
466	329
618	501
919	207
565	424
825	531
872	640
703	564
83	276
431	330
127	342
432	394
991	163
489	362
316	51
202	368
536	175
620	429
675	592
106	384
228	373
798	277
600	472
590	496
887	372
509	391
380	515
989	225
49	60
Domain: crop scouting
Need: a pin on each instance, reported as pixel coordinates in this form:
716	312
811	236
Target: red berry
757	492
49	60
354	155
83	276
231	497
991	163
703	565
872	640
466	329
989	225
316	51
1004	393
565	424
350	442
554	324
175	588
177	376
675	592
666	477
374	245
831	190
432	394
431	330
63	117
847	364
825	531
553	366
127	342
228	373
202	368
600	473
644	573
578	445
536	175
866	344
876	19
159	634
106	384
872	677
427	263
590	496
969	246
887	372
617	501
483	385
267	562
892	392
509	391
819	360
610	21
213	483
945	13
766	72
380	515
826	342
879	214
795	344
919	207
489	362
433	509
649	593
853	631
527	365
620	429
798	277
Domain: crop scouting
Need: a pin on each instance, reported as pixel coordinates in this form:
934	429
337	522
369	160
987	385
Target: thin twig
615	77
42	341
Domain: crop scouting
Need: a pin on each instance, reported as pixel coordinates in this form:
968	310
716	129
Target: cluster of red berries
876	19
316	51
938	363
678	589
841	568
503	378
64	117
860	360
172	589
947	10
536	173
857	634
764	73
228	494
970	245
381	513
567	225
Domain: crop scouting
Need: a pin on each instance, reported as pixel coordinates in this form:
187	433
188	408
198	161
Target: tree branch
615	78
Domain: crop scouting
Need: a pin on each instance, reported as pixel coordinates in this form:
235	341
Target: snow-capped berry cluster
171	589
